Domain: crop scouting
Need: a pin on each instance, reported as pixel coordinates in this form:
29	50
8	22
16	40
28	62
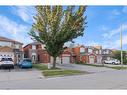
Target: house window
5	43
17	46
97	52
82	50
43	46
90	50
33	47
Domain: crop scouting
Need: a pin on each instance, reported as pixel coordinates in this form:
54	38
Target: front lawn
101	65
43	67
117	67
95	65
62	72
57	71
40	66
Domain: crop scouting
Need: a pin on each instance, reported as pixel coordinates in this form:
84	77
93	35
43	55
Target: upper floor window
43	46
2	43
33	47
82	50
97	52
106	52
90	50
17	46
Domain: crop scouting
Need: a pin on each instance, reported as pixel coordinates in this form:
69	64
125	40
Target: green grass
48	73
57	71
117	67
43	67
95	65
40	66
100	65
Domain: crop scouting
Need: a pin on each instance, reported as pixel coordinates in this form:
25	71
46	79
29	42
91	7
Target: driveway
19	74
104	78
87	68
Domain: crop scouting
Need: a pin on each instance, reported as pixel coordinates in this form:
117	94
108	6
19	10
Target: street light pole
121	47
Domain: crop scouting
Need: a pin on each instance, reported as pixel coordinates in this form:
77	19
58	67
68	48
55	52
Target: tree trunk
54	62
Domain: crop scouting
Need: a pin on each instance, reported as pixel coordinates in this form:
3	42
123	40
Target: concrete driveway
102	78
19	74
90	69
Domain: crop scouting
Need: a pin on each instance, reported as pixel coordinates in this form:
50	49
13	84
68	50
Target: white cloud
13	30
113	32
92	43
116	44
125	9
104	28
115	12
25	13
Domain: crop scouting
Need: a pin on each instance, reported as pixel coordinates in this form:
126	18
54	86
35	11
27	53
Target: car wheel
113	63
12	67
21	67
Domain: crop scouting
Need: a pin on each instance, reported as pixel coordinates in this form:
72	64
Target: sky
104	25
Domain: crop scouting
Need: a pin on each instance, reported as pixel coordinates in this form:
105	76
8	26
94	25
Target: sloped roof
6	49
8	40
33	43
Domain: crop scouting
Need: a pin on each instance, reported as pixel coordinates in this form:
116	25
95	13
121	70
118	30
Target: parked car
25	63
113	61
7	63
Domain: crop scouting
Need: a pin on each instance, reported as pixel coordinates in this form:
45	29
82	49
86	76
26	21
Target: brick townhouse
87	54
84	54
36	51
10	48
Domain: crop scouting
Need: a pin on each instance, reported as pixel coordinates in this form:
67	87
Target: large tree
56	25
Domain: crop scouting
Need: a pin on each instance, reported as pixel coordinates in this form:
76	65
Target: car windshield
27	60
6	59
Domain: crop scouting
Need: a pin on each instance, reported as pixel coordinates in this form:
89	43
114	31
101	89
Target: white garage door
66	60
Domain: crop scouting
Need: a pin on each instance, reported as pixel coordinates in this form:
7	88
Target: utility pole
121	47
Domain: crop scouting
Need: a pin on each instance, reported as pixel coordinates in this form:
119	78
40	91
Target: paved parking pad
19	74
90	69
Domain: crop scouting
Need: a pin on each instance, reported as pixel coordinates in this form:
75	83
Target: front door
91	59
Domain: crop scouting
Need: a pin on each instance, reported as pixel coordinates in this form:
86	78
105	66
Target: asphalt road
32	79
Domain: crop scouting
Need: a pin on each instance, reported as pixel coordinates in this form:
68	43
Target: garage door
66	60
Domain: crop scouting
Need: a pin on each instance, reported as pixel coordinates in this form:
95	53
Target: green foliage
62	72
117	55
40	66
55	25
43	67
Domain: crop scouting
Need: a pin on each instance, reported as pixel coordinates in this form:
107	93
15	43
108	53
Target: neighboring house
34	51
85	54
107	54
9	47
98	52
37	53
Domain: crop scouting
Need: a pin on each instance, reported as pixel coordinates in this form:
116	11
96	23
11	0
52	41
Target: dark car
25	63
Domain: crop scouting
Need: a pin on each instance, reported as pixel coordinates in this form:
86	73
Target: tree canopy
56	25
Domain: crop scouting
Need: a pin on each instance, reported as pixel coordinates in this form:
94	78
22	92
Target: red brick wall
26	50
